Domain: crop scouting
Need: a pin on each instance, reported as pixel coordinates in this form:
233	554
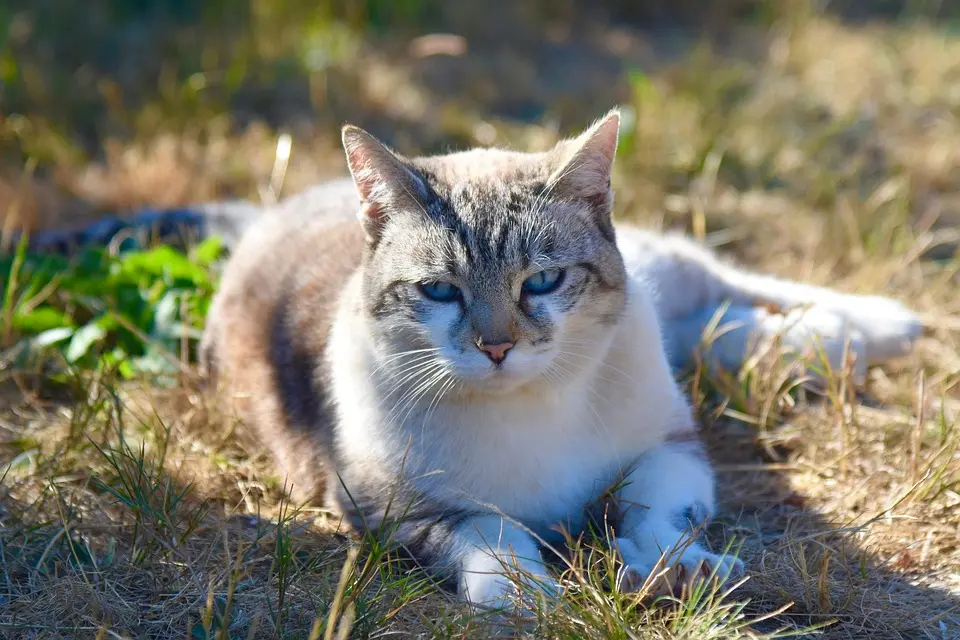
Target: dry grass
814	150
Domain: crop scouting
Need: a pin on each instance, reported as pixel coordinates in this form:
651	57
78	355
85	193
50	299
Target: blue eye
440	291
543	281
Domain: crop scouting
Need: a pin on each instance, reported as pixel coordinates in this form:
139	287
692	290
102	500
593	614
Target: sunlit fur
519	449
575	318
324	340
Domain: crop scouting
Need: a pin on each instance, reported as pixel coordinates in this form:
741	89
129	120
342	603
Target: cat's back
309	241
268	324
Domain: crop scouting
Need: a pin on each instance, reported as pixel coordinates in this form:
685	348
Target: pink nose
496	352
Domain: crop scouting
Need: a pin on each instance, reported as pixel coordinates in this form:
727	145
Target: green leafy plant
138	310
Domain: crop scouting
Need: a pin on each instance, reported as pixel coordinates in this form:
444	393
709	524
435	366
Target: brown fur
278	262
267	331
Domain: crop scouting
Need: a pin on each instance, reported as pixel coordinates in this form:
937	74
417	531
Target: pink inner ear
586	171
364	175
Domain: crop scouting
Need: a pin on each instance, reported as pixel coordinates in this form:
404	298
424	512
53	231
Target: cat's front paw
669	575
515	591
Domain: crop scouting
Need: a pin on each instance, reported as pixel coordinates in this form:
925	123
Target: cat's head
489	270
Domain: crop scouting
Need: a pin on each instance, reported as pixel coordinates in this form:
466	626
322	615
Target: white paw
513	591
890	329
671	575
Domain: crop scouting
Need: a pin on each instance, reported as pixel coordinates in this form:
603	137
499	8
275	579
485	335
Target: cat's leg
666	498
490	549
484	555
494	561
690	285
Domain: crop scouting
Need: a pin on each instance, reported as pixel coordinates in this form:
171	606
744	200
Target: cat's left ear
584	164
385	181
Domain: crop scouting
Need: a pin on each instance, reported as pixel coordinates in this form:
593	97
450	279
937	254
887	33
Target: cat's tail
227	220
332	200
728	336
886	327
697	293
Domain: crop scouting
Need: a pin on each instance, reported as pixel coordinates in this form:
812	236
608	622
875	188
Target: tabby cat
466	349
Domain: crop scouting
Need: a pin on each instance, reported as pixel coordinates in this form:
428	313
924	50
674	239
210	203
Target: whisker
418	389
606	430
412	372
437	399
561	357
598	361
403	354
419	361
417	379
551	376
412	404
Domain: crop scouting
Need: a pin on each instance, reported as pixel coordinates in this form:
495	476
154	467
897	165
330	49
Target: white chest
538	457
533	461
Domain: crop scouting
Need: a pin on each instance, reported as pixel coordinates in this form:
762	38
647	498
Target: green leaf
162	261
38	276
105	300
108	321
124	365
165	314
178	330
153	362
41	319
208	251
84	338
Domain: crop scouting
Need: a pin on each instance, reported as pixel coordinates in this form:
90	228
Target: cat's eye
440	291
543	281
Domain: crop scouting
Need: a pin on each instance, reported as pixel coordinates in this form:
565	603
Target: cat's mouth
503	377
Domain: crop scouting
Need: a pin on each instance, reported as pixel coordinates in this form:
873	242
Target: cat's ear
584	164
384	180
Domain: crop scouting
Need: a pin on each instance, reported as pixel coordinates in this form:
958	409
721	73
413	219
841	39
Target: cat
484	354
466	351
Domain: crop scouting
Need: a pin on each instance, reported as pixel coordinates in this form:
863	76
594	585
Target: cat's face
487	271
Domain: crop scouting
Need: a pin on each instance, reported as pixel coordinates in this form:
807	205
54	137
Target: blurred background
815	139
736	110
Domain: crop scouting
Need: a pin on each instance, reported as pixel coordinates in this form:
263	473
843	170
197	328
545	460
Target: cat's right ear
384	181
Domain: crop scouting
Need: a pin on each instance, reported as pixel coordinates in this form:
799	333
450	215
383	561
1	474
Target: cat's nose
496	352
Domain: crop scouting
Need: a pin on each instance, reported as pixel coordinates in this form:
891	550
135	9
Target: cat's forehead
477	232
487	191
489	212
486	168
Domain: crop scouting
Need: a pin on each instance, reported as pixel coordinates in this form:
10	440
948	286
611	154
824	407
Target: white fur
691	286
538	454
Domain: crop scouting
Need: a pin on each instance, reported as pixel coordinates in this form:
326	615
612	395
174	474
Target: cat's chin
500	381
495	384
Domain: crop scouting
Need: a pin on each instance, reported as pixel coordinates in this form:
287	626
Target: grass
805	145
133	310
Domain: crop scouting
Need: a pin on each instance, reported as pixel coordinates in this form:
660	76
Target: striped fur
324	327
378	399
